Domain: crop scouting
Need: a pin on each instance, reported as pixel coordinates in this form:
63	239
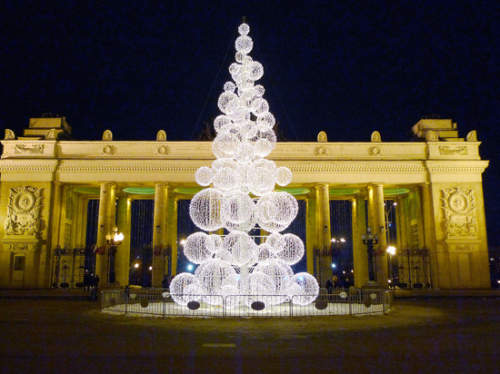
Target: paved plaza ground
451	335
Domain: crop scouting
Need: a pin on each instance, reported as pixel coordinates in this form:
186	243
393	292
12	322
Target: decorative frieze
459	212
451	151
27	150
23	211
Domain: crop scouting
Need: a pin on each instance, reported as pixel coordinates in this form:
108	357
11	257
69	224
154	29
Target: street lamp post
113	241
370	241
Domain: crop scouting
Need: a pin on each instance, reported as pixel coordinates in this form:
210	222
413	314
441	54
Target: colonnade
367	209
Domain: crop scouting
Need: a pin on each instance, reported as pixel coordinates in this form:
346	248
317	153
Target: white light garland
233	268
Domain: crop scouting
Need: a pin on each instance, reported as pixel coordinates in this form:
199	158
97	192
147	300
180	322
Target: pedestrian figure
165	282
329	286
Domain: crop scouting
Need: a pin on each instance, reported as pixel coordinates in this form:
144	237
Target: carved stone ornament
376	137
107	150
9	134
375	151
20	245
107	135
459	212
321	151
161	136
51	134
448	150
322	137
162	150
472	136
23	211
431	136
25	150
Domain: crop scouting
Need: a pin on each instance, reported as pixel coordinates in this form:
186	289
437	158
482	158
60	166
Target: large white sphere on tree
292	249
226	179
205	209
237	207
244	44
262	177
284	176
185	287
199	247
241	247
211	275
203	176
307	290
276	210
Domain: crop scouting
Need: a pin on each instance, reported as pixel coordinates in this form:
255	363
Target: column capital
321	185
161	184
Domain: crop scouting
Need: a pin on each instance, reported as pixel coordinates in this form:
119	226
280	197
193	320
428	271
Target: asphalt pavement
426	335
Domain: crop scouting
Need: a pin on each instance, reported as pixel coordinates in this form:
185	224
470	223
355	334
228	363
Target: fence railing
159	302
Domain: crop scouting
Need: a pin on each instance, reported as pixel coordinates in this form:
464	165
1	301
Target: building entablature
198	150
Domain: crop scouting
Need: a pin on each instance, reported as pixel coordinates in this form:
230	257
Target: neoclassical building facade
435	183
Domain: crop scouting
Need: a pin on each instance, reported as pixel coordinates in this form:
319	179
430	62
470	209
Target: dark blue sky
346	67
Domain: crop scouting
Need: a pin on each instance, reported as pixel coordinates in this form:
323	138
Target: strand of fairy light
234	266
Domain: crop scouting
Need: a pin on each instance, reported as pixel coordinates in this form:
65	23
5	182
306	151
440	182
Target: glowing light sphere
225	179
217	243
264	142
203	176
265	253
221	122
243	29
260	106
222	163
276	210
262	177
244	44
276	242
309	289
211	275
241	247
199	247
237	208
266	121
225	145
259	90
280	272
229	86
225	101
293	249
185	287
205	209
256	71
261	287
284	176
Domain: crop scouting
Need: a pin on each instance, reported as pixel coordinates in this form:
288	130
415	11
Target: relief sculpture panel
23	211
459	212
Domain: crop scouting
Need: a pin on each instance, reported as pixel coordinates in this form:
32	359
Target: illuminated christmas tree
240	197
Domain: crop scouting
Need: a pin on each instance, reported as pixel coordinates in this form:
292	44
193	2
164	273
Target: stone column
122	256
360	253
323	231
160	231
429	239
172	232
382	269
376	220
106	222
46	259
311	237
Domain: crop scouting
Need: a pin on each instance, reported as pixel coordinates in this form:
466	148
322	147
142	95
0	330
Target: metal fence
159	303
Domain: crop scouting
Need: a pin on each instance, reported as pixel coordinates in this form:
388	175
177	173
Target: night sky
346	67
